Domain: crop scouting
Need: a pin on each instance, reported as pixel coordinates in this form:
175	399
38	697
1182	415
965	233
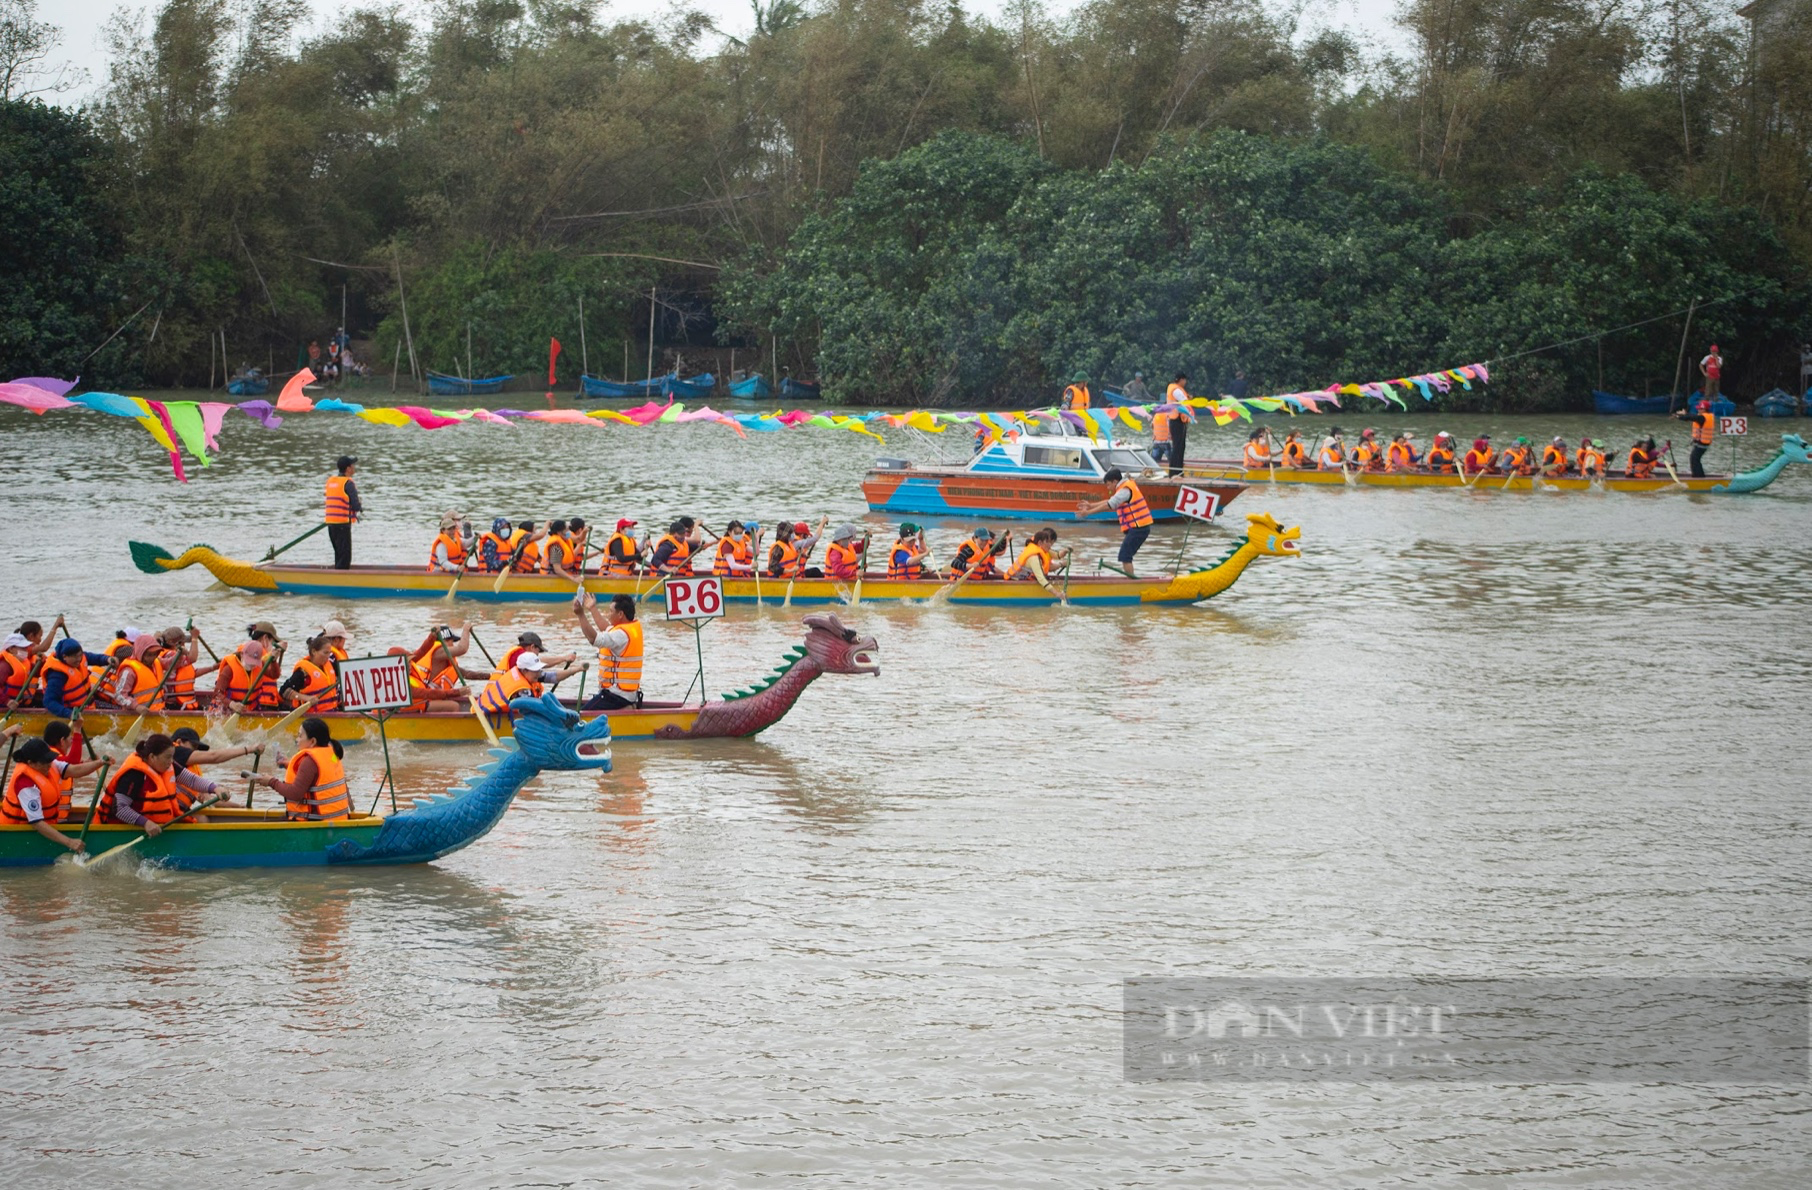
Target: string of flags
194	426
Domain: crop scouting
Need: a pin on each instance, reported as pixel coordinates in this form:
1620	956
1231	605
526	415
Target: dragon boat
1793	450
1030	477
1264	537
828	648
548	736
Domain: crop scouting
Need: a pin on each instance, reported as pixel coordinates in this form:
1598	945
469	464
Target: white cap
529	663
15	641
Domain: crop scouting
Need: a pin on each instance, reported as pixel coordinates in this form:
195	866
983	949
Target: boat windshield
1125	460
1053	456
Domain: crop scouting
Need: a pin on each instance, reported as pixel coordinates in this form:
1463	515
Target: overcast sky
82	22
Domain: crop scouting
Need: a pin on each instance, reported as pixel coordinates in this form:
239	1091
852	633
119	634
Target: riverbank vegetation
920	205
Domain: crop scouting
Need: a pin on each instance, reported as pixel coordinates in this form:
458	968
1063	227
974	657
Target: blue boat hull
442	385
1611	403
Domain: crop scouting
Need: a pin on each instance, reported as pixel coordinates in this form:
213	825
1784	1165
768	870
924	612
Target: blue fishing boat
252	384
442	385
797	390
1777	403
1611	403
753	387
695	389
612	390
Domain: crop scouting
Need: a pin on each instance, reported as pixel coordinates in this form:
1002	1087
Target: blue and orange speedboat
1031	477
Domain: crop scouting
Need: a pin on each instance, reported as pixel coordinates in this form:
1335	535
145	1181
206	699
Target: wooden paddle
123	848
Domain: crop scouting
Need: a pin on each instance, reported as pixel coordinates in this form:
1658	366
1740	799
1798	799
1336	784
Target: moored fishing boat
547	737
1264	537
828	648
442	385
1793	450
1030	477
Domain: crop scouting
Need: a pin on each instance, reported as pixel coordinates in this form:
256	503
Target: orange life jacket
1032	550
495	697
161	800
339	505
903	561
456	550
235	683
1135	513
52	797
623	670
319	680
77	681
729	549
1704	425
328	797
680	562
841	561
625	564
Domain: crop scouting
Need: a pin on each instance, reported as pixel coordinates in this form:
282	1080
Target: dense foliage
923	205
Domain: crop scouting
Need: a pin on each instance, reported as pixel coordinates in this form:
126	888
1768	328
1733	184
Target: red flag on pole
553	353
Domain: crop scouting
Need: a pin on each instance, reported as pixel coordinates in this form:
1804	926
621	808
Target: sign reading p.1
1197	503
700	598
1733	425
374	683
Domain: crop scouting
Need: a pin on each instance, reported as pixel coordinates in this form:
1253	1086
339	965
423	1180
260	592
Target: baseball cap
530	663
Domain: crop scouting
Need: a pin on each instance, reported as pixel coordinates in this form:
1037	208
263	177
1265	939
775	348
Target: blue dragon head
549	735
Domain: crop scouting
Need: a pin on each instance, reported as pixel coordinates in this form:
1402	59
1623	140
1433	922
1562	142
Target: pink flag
291	400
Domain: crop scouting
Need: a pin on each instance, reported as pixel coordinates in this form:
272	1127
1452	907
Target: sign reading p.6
1197	503
698	598
374	683
1733	425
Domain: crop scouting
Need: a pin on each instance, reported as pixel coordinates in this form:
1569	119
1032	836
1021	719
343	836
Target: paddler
1642	459
1704	428
1295	451
1519	457
313	677
1128	504
18	671
978	552
313	786
735	552
618	637
343	508
494	547
1554	457
1590	459
452	546
1077	397
36	796
523	679
1368	455
1333	452
1481	459
843	556
622	553
149	790
1400	455
561	557
673	553
906	557
1440	454
1038	559
67	678
1258	450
